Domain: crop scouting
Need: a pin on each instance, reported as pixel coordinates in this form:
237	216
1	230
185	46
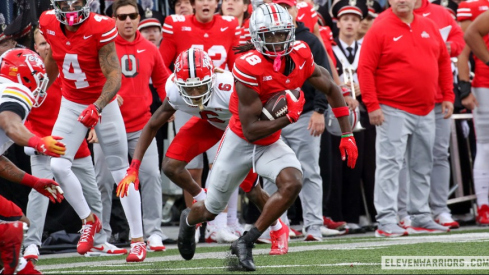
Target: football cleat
280	240
88	230
155	243
27	268
105	249
186	237
243	250
137	252
31	252
219	235
405	222
483	215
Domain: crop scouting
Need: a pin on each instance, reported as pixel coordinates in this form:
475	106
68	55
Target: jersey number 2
72	71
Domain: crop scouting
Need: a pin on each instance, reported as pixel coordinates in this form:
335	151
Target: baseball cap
149	22
289	3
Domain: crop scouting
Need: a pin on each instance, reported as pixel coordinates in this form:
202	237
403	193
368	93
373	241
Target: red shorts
196	137
193	139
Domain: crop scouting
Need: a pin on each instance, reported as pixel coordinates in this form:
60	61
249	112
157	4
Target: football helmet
270	19
25	67
333	126
80	12
194	68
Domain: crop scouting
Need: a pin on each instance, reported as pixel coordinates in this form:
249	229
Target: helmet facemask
71	12
266	23
190	87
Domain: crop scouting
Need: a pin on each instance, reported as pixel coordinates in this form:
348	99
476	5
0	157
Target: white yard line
374	244
209	267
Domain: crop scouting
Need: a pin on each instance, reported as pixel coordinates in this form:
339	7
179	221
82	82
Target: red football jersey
140	60
245	32
256	72
469	10
307	15
327	36
41	120
76	54
217	38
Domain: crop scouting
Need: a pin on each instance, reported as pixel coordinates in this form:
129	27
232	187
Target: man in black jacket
304	137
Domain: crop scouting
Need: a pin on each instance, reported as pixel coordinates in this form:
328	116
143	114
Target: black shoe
243	250
186	237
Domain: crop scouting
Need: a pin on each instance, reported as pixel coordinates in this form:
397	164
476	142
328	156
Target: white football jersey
216	111
15	93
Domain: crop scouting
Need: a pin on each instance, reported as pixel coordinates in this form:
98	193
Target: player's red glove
90	116
132	176
294	106
49	146
47	187
348	147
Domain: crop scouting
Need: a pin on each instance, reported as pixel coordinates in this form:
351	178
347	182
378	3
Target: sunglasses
123	17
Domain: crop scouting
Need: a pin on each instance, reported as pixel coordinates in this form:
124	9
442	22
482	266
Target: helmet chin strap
71	18
277	62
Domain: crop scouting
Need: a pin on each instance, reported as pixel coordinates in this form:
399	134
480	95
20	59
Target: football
276	106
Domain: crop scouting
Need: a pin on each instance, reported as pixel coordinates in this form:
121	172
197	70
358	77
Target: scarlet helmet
272	19
71	17
25	67
194	68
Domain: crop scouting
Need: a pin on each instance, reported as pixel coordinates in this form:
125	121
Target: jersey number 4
72	71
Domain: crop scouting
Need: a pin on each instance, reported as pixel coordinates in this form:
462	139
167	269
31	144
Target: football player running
274	62
83	53
23	84
196	89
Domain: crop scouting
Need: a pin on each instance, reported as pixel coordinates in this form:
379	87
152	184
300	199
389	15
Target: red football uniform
307	15
76	54
245	32
41	120
327	36
140	61
9	211
256	72
469	10
217	38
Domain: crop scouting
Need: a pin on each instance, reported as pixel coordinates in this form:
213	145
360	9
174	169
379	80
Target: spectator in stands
402	108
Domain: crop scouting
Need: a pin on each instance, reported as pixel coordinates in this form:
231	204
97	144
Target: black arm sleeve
13	107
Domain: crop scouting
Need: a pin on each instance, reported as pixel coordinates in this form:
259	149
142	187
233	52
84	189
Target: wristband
347	134
28	180
99	110
341	111
135	163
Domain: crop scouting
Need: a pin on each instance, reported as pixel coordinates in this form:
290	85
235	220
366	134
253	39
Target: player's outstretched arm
160	117
14	128
109	63
250	108
47	187
474	37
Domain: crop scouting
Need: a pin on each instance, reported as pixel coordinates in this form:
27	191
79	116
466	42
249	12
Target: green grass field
340	255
